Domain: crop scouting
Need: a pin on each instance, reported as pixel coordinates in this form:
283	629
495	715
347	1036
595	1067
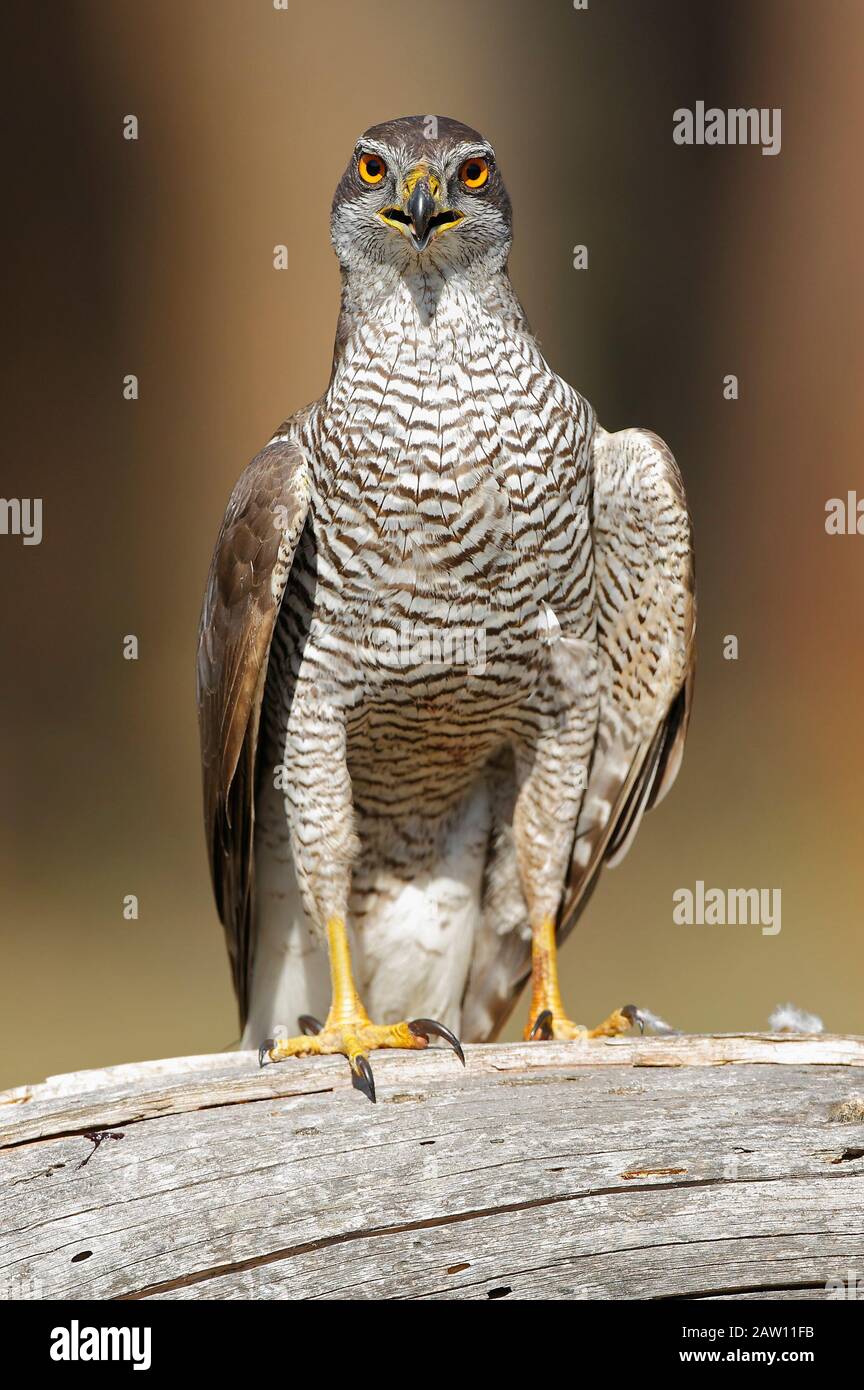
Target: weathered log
627	1168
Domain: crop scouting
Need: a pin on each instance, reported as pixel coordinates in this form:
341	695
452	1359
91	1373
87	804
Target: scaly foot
552	1024
546	1018
353	1037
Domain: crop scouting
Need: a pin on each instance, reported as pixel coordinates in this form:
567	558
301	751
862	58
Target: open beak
422	213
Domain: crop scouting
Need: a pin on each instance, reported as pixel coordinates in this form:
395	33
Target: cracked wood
636	1168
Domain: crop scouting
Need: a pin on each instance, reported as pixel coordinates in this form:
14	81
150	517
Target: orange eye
372	168
474	172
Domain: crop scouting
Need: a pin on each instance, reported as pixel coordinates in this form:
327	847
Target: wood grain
675	1167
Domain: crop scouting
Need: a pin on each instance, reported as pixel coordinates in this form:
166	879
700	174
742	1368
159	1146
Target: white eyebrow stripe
372	147
464	152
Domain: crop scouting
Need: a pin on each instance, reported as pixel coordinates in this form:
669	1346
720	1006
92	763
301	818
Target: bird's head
422	191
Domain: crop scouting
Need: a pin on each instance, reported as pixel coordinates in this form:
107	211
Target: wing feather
643	552
248	574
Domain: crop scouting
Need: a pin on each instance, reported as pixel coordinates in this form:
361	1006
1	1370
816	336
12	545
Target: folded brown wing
248	573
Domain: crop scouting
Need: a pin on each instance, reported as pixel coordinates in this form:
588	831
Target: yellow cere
421	171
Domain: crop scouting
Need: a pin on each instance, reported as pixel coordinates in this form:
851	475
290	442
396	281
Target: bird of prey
446	651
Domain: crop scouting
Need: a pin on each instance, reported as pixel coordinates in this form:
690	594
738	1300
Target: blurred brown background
155	258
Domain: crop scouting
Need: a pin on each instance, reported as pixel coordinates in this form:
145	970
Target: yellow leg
348	1029
547	1018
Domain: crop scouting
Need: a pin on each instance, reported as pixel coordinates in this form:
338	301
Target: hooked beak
422	213
421	209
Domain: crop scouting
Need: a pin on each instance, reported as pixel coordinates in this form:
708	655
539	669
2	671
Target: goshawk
446	650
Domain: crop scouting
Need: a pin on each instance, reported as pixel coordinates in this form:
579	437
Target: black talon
309	1025
542	1026
422	1027
362	1078
263	1051
632	1015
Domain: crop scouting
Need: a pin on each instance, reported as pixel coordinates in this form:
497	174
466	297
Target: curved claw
423	1027
264	1051
309	1025
632	1015
542	1026
361	1076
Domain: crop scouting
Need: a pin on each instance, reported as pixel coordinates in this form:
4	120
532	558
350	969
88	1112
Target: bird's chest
450	514
451	474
